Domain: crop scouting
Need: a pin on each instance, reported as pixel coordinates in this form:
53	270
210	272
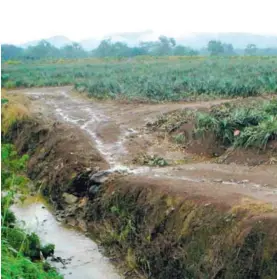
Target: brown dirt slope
58	153
162	234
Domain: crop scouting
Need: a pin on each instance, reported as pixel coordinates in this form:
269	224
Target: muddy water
80	255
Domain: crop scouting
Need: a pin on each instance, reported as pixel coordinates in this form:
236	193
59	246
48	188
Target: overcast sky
24	20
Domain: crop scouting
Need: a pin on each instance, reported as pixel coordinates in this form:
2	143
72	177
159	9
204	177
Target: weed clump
150	160
12	111
250	125
20	250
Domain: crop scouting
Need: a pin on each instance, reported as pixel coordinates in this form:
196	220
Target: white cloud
21	21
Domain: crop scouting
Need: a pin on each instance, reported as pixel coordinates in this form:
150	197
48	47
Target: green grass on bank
21	252
245	124
253	124
16	265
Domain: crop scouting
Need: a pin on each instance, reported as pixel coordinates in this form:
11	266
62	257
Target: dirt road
118	132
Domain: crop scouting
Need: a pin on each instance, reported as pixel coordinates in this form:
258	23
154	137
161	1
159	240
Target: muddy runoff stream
76	255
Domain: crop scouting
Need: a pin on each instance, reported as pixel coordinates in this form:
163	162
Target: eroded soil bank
158	222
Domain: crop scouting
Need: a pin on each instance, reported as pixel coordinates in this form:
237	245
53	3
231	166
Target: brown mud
191	219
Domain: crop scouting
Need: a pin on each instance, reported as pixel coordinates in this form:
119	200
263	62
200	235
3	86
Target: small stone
245	181
218	180
83	202
100	176
192	168
93	189
72	222
69	198
82	225
97	168
59	218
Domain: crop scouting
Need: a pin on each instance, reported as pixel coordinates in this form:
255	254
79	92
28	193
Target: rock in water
100	177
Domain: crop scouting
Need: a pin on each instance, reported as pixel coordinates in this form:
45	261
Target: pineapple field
151	78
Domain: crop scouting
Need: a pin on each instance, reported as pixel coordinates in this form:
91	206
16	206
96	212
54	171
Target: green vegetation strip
242	125
156	79
22	253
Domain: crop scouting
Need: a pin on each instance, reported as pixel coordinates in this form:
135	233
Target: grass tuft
254	123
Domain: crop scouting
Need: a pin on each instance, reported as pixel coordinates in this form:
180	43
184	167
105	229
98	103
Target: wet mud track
113	126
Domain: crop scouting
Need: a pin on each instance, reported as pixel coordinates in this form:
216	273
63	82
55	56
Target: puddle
81	254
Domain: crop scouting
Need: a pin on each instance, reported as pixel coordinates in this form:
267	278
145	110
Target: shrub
256	123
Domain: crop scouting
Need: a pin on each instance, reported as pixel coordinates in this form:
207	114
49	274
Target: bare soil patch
118	134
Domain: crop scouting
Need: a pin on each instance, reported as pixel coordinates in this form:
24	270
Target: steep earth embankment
196	220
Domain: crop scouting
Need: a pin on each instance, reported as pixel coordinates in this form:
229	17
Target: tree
251	49
165	45
215	48
149	47
120	49
173	42
42	50
117	49
180	50
11	52
75	50
228	49
267	51
104	49
135	51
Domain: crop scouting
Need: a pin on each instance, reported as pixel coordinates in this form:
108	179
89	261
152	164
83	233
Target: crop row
158	80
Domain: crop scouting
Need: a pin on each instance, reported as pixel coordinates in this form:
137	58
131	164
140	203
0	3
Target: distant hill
130	38
134	38
194	40
90	44
239	40
57	41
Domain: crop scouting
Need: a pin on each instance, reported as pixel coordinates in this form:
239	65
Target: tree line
164	46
